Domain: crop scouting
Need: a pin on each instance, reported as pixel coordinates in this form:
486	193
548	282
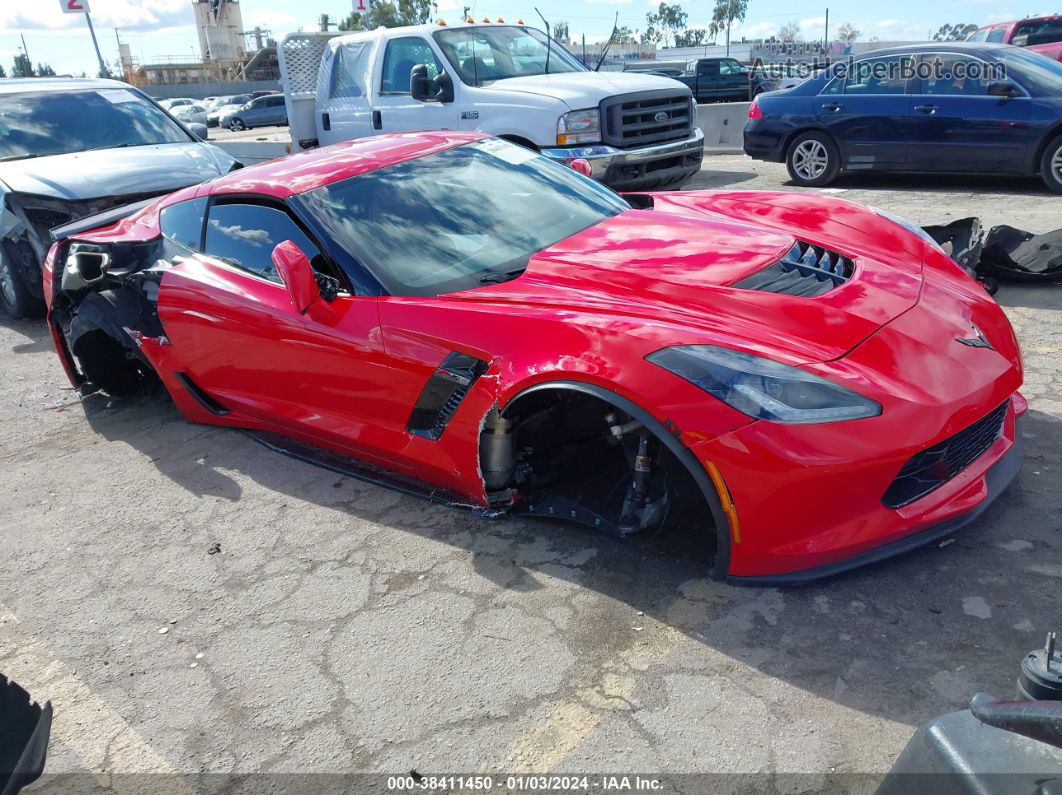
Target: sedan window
996	35
459	218
879	76
244	235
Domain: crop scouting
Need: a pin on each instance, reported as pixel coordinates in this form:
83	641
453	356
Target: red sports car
807	383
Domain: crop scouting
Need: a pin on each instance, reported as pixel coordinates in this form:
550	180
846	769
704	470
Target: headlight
905	224
762	388
579	127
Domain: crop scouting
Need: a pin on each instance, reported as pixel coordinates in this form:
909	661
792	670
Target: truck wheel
236	125
813	160
1051	165
15	297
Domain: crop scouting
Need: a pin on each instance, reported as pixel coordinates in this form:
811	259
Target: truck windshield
460	218
39	123
482	55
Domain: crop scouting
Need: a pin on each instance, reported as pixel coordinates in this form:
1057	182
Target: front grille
805	270
651	117
934	467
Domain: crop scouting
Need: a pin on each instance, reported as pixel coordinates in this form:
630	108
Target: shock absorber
496	451
638	492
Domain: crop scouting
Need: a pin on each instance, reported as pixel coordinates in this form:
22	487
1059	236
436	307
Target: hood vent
806	270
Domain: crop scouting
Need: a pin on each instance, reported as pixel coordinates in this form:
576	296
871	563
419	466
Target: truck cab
636	130
717	80
1039	34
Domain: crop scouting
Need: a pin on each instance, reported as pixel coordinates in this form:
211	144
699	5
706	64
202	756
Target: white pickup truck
637	131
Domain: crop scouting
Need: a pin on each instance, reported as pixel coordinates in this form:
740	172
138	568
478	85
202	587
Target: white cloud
611	2
277	21
131	15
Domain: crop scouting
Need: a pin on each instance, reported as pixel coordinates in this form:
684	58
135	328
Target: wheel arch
784	151
666	437
519	140
1051	135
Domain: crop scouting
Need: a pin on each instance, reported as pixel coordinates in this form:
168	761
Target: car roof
305	171
426	29
971	47
39	84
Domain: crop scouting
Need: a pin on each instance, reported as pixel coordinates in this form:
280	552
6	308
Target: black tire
237	125
1051	165
812	160
15	298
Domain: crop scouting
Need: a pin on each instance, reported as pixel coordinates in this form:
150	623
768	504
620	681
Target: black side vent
200	395
806	270
443	393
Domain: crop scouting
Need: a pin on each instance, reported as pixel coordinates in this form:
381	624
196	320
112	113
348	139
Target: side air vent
806	270
443	394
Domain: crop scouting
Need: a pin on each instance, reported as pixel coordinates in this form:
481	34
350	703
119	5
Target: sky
158	29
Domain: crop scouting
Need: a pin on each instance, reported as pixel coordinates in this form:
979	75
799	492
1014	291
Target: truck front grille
650	117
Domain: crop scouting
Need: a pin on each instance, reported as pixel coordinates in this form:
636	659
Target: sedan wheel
1051	166
812	160
236	125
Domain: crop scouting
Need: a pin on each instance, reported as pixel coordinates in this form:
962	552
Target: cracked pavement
344	627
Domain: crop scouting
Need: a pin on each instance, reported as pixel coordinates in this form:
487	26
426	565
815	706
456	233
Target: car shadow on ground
37	337
904	639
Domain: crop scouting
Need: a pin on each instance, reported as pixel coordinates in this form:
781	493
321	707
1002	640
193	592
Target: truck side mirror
445	86
297	274
420	84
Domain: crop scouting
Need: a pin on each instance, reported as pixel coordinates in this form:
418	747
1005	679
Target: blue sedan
944	107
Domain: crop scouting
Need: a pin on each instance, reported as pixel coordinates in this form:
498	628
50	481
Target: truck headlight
579	127
764	389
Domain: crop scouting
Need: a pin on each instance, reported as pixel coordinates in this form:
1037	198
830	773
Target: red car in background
806	383
1039	34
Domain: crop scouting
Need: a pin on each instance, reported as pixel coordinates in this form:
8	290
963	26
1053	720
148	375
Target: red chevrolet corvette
807	383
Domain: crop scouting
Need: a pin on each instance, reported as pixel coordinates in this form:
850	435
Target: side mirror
420	84
198	130
297	274
445	86
582	165
1003	88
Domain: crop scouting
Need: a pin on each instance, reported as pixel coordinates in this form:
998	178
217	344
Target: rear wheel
237	125
15	297
813	160
1051	165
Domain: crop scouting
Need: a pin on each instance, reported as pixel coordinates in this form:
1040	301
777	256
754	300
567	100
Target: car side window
244	236
953	75
182	223
996	35
729	68
879	76
707	68
348	71
400	57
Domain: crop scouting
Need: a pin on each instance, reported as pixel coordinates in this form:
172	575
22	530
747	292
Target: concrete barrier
251	152
722	124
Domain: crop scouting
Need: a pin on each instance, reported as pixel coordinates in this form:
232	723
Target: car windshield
1038	74
481	55
459	218
35	124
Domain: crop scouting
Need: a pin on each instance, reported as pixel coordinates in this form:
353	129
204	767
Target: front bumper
634	169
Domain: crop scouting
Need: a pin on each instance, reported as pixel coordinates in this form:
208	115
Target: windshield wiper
549	39
497	277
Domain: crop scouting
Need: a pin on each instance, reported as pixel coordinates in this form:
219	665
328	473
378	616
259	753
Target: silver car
124	148
264	111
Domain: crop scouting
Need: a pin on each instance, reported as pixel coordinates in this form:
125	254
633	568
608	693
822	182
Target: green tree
560	32
390	14
954	32
624	35
847	34
44	70
691	37
662	25
725	14
3	73
22	67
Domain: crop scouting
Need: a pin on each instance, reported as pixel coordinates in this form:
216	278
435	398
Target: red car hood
672	270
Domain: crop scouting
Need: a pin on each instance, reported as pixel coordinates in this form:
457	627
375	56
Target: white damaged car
70	148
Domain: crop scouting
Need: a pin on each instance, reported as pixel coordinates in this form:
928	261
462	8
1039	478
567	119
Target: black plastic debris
215	549
1011	253
25	727
961	240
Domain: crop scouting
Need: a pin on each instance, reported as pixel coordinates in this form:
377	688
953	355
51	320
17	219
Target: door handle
377	120
926	108
326	122
832	106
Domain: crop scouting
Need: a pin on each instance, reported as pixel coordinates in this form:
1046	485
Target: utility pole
826	34
24	50
103	67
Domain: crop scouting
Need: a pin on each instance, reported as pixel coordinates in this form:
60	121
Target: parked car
190	114
122	148
667	362
170	104
266	111
880	115
226	104
1039	34
776	77
637	131
717	80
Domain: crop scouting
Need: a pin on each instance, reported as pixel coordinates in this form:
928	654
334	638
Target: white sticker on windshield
503	150
117	95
